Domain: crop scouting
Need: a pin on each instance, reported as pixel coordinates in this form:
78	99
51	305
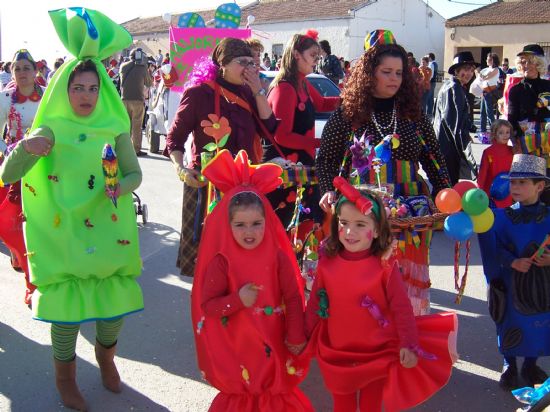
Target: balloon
166	68
448	201
500	188
463	186
458	226
167	17
475	202
250	19
483	222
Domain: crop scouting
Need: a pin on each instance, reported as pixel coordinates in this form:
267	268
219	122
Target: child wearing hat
516	262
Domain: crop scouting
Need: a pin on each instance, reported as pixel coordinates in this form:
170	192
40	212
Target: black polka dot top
336	139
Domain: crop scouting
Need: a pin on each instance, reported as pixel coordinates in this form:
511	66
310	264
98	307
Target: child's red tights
370	399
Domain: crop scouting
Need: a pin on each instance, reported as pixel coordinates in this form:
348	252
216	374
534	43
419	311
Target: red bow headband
352	195
310	34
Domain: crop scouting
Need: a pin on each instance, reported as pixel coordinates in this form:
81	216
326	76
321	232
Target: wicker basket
418	223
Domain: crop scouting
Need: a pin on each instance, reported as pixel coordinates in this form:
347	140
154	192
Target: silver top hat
526	166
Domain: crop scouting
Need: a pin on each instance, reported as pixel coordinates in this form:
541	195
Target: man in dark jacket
330	65
134	78
452	121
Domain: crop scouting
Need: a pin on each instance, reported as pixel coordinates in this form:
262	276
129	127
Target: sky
26	25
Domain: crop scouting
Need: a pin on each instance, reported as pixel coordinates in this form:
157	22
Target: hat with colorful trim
378	37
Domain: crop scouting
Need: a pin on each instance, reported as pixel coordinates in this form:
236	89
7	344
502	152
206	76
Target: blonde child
247	301
496	159
363	331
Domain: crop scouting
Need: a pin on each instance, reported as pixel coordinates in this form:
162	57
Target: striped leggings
64	337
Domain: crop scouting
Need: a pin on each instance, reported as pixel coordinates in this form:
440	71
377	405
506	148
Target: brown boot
109	374
65	380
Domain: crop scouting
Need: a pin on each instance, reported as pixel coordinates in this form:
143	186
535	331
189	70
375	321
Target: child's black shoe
509	379
533	375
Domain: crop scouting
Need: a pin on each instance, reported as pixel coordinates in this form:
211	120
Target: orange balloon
448	201
463	186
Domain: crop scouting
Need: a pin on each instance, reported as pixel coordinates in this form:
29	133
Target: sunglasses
245	63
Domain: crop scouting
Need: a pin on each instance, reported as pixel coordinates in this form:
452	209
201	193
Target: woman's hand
327	201
37	145
252	79
190	177
407	358
249	293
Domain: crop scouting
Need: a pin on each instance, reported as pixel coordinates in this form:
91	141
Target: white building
344	23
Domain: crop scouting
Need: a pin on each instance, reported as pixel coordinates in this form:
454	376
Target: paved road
156	351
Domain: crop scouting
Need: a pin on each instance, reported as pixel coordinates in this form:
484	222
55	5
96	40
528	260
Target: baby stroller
140	208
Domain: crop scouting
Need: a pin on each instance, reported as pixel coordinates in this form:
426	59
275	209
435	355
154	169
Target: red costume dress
240	350
496	159
366	319
17	114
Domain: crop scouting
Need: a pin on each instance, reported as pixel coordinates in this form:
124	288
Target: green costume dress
83	251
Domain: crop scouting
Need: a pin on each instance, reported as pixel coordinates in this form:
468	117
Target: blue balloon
458	226
500	188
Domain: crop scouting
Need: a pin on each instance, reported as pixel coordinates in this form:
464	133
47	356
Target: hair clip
353	195
312	34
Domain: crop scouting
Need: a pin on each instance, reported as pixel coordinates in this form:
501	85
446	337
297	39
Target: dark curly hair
379	245
357	97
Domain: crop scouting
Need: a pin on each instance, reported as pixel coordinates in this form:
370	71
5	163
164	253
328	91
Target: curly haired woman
381	99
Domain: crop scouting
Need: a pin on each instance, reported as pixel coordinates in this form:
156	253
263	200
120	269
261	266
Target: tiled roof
505	12
264	11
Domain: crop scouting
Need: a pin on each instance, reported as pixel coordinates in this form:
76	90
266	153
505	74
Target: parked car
165	102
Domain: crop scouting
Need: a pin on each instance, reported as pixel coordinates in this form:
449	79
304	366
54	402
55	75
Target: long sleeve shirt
19	162
336	139
284	99
218	300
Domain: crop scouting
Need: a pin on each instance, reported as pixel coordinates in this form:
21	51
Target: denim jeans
486	112
424	101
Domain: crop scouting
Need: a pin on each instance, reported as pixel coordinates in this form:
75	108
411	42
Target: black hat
461	59
534	49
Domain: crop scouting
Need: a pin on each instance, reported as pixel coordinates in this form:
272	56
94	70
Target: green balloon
475	202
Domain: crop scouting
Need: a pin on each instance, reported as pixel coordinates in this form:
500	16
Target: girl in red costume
496	159
247	300
370	348
18	105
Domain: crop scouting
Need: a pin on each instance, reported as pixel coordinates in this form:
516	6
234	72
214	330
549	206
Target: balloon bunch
469	211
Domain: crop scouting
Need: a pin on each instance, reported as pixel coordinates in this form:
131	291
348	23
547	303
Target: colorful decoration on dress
109	163
323	303
56	220
291	369
91	182
245	375
200	325
543	246
31	189
227	16
218	128
190	19
375	311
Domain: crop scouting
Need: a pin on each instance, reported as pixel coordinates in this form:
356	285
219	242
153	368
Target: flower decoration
362	154
219	129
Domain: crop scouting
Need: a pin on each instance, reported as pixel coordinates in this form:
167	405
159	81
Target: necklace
35	96
226	98
393	122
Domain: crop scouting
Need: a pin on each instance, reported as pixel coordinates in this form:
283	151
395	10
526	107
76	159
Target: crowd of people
69	164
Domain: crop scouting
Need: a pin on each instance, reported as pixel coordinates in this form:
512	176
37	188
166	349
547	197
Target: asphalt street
156	356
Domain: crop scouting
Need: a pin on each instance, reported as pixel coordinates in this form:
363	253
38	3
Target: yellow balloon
484	221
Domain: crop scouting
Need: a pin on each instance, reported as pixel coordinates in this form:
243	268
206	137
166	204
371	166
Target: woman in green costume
82	246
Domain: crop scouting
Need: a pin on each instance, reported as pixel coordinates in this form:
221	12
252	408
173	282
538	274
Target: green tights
64	337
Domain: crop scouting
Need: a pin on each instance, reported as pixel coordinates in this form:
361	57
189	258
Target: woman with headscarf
18	106
223	97
452	119
379	101
80	227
